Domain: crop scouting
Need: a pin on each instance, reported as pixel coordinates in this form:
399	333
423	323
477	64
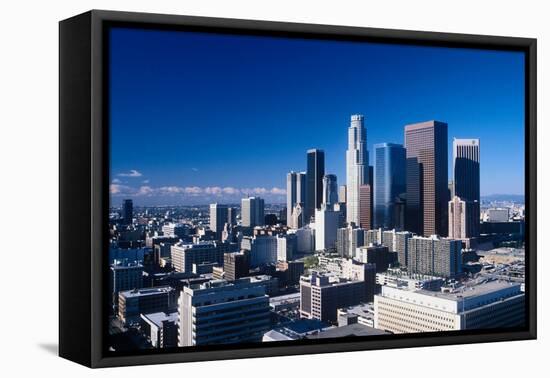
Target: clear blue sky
197	118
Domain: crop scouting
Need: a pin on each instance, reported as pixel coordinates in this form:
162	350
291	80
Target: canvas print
273	189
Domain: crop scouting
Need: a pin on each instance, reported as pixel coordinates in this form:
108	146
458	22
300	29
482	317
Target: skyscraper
314	182
463	218
342	191
365	207
357	166
219	216
434	256
295	192
326	228
330	190
127	211
426	175
252	211
466	153
389	183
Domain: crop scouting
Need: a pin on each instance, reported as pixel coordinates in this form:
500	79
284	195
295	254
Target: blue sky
197	117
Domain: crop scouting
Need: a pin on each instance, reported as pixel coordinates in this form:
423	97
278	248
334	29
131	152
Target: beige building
486	305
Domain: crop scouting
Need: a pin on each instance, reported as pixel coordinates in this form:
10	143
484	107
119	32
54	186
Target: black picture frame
84	179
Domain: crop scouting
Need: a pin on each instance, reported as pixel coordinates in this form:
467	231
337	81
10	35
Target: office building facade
426	178
314	182
389	183
357	167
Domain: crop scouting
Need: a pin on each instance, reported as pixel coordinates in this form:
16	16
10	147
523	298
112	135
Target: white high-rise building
357	166
295	193
326	228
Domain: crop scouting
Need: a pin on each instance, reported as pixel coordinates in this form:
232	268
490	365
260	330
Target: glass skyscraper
389	182
314	182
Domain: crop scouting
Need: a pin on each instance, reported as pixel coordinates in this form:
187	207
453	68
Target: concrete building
287	245
400	279
222	312
263	249
219	216
124	276
493	304
401	247
434	256
365	206
330	191
326	226
427	175
379	255
297	217
357	167
321	296
161	329
175	230
305	239
184	255
389	182
295	193
342	190
463	218
252	212
132	303
498	215
236	265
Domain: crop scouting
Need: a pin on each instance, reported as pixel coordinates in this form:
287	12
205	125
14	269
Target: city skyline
160	158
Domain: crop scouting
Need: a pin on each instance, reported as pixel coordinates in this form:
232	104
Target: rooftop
346	331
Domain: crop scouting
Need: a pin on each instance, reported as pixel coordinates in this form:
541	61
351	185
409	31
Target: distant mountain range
504	197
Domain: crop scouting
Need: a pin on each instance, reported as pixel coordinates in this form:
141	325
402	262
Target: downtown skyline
164	158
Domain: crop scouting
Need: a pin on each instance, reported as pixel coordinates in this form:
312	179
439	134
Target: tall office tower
365	207
466	182
314	182
185	255
236	265
463	218
493	304
342	241
232	216
252	211
219	216
434	256
401	247
330	190
427	191
295	193
321	296
389	182
357	166
127	211
342	190
326	226
218	312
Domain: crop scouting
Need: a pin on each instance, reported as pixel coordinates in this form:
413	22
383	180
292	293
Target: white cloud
215	190
278	191
132	173
116	181
145	191
145	181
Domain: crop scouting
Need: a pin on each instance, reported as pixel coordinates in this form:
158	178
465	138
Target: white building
218	312
326	228
498	215
286	246
357	167
491	304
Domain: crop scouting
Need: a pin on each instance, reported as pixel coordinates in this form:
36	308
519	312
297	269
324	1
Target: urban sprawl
399	248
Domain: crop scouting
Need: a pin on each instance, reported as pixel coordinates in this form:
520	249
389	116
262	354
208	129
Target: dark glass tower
127	211
466	176
389	183
314	181
426	178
